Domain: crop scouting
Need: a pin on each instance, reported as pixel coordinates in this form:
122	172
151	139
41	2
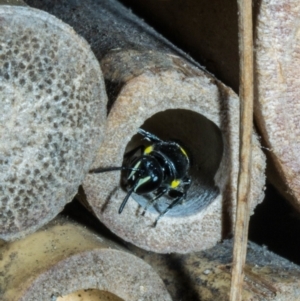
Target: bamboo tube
206	275
150	85
67	262
53	106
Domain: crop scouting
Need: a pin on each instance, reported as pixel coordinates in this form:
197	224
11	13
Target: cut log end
53	110
277	108
65	261
181	103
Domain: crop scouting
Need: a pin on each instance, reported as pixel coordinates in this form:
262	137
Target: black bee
161	168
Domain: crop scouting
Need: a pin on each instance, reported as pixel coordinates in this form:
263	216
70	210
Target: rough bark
150	85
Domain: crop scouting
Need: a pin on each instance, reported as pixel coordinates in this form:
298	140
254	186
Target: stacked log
153	85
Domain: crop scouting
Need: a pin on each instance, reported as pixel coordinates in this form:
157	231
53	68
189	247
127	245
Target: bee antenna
105	169
126	199
127	196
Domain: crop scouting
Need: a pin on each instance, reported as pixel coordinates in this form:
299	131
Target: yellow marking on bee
148	150
183	151
136	166
175	183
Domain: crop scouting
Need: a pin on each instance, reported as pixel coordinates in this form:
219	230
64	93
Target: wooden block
277	108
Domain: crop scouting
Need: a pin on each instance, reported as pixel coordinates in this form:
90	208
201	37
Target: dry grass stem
246	123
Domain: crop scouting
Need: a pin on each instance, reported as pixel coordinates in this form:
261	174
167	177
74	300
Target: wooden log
207	30
193	25
277	108
151	86
64	261
53	104
206	275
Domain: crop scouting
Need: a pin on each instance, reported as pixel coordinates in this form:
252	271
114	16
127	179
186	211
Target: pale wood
63	258
277	108
53	110
192	26
246	125
146	76
276	53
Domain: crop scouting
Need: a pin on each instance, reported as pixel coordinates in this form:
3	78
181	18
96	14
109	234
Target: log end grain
174	101
63	259
277	107
53	109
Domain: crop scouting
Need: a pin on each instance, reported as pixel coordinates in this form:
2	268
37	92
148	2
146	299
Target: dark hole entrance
203	143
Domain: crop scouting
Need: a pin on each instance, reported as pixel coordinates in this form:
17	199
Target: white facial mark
141	182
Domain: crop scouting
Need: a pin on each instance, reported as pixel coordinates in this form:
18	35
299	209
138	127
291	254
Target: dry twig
246	99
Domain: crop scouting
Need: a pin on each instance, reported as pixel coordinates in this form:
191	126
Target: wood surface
65	261
277	114
206	275
152	84
53	110
246	127
209	31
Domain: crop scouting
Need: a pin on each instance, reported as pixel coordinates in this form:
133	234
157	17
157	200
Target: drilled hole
203	142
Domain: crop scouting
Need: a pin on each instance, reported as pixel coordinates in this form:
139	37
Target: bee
161	168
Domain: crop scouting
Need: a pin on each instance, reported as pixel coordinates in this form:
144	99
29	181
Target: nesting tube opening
202	116
203	143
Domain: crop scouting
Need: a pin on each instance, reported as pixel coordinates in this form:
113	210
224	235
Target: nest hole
202	140
90	295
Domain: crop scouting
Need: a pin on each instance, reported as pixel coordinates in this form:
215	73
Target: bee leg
177	201
186	183
154	200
